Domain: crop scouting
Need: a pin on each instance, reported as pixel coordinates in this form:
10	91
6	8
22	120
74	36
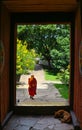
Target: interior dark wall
4	75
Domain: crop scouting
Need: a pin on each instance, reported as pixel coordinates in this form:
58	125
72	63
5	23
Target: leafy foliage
51	41
64	75
60	54
25	59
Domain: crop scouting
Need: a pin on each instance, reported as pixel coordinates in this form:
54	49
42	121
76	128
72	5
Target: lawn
49	75
62	88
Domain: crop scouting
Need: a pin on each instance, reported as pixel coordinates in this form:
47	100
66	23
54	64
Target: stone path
36	123
47	94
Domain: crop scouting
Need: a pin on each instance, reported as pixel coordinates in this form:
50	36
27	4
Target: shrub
64	75
25	58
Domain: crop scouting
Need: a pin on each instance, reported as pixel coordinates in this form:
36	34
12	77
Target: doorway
18	19
43	50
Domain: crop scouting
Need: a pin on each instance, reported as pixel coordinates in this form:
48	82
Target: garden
49	43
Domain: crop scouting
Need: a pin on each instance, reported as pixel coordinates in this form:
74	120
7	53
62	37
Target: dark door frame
38	17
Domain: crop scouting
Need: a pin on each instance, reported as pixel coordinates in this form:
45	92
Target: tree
51	41
42	38
61	53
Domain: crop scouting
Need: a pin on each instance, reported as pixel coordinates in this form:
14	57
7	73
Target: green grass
49	75
63	89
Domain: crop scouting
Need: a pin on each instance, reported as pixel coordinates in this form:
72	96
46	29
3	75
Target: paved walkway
47	94
36	123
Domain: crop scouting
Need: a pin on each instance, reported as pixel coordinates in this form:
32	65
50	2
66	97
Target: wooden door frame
40	17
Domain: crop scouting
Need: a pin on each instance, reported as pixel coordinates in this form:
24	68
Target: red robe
32	86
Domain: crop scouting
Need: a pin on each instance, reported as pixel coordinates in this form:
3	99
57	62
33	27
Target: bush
25	58
64	75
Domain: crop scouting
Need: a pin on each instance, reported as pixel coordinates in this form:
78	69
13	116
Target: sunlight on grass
50	76
63	89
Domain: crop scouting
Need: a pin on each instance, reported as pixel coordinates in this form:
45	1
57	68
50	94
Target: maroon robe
32	82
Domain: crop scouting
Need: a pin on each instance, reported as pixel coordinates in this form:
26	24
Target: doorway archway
18	18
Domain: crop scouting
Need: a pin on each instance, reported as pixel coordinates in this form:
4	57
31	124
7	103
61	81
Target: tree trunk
49	63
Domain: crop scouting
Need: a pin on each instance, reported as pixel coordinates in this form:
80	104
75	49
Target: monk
32	82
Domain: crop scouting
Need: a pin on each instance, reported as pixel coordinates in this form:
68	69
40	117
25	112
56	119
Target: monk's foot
31	97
